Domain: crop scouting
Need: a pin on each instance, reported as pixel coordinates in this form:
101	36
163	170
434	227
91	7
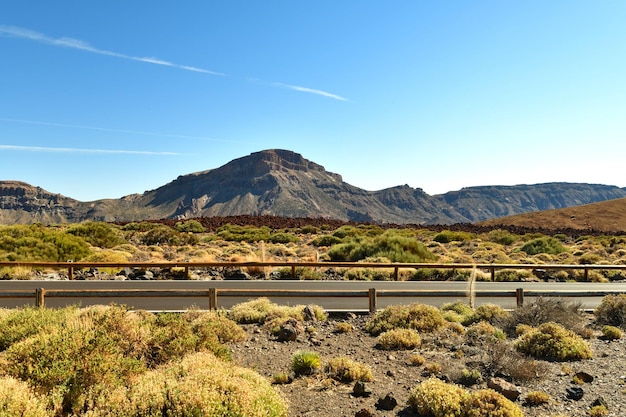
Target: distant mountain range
283	183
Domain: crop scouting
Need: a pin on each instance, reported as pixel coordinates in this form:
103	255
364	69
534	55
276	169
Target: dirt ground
320	396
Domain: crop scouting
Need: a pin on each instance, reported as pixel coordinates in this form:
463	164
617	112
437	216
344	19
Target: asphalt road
288	293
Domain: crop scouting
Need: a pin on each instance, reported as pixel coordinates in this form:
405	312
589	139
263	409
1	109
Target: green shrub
102	235
38	243
399	339
18	399
391	245
343	327
325	240
282	237
447	236
612	310
192	226
491	313
165	235
548	245
420	317
305	362
503	237
236	233
344	369
552	341
611	333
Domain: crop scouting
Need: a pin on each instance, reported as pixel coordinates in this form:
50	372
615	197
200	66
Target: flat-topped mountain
282	183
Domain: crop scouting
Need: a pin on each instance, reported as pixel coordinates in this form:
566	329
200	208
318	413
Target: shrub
281	379
567	313
20	324
198	385
436	398
612	310
399	339
282	237
343	327
599	410
103	235
18	399
191	226
491	313
249	233
165	235
611	332
326	240
416	359
305	362
390	245
344	369
547	245
420	317
469	378
447	236
534	398
37	243
457	311
503	237
552	341
487	402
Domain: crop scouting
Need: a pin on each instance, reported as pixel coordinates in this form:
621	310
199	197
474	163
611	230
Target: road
287	292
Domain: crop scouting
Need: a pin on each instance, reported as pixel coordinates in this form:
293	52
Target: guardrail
212	294
187	266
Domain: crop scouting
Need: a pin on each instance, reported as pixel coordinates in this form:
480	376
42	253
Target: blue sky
105	99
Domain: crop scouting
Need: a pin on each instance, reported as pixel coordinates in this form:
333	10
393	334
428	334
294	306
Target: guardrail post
212	299
39	297
395	273
586	273
519	295
293	271
187	272
493	274
70	273
372	300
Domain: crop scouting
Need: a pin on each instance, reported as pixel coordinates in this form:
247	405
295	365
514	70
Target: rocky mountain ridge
279	182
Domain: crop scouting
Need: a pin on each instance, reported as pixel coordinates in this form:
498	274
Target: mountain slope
283	183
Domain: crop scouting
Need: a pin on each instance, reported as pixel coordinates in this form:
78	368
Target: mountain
283	183
606	216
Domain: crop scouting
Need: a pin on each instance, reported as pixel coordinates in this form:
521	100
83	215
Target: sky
106	99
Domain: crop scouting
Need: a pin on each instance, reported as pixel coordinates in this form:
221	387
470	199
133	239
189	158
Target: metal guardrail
187	266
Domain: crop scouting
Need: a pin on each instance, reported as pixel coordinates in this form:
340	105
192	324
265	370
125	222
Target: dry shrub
500	357
343	327
612	310
399	339
420	317
567	313
487	402
611	333
18	399
344	369
436	398
534	398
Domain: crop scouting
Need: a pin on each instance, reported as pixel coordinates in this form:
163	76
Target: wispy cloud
310	90
106	129
85	46
81	150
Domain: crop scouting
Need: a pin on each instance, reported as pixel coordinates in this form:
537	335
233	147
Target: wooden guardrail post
70	273
186	272
493	273
39	297
372	300
586	274
293	271
395	273
212	299
519	295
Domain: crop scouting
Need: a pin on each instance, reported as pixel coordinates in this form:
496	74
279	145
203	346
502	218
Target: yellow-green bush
435	398
344	369
488	403
305	362
420	317
611	332
399	339
18	399
198	385
552	341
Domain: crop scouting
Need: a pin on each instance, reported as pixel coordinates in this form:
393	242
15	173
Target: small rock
364	413
360	390
509	390
309	313
389	402
574	393
391	358
599	401
584	377
287	333
390	373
